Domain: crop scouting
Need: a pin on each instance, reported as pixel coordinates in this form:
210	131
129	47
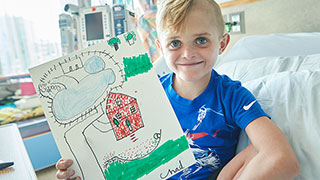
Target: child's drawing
108	112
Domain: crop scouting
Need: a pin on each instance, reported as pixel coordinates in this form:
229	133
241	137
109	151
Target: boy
212	108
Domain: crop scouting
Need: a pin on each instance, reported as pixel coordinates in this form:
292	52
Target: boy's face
192	52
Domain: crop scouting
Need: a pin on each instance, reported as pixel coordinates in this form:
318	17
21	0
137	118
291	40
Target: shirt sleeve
243	107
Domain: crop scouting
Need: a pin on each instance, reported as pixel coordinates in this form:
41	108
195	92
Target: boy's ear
224	42
158	44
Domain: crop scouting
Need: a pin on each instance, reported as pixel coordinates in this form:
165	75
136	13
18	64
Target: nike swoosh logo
247	107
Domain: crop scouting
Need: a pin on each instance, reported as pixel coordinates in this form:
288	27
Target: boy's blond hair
171	15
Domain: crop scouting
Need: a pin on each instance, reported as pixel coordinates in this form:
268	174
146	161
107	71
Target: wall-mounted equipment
237	20
85	25
95	25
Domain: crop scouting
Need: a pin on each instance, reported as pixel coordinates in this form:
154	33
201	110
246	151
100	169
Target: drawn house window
124	114
70	65
132	109
118	115
118	101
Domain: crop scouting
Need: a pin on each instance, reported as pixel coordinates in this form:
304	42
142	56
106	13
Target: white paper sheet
108	112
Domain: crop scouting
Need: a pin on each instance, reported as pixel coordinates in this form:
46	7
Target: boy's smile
190	64
192	51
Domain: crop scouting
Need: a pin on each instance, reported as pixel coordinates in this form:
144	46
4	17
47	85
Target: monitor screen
94	26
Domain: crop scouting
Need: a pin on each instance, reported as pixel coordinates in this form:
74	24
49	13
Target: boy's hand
63	171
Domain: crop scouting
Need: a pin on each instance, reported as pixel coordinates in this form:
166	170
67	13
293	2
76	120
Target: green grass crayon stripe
137	168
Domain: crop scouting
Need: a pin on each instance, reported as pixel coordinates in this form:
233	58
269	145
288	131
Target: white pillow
292	44
292	99
247	70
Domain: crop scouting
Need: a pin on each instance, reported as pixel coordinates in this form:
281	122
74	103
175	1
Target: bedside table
39	142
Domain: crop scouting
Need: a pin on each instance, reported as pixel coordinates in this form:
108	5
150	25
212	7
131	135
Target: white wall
277	16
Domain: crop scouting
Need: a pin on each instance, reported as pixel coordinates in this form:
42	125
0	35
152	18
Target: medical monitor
95	25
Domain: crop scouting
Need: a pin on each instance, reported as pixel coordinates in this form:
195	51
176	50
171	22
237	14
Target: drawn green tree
130	37
114	42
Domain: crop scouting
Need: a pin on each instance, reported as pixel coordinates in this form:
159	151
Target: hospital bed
283	73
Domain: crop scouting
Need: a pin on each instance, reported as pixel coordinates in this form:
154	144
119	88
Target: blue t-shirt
212	122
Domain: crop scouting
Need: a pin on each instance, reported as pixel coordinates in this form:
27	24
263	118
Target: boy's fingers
75	178
65	174
64	164
58	163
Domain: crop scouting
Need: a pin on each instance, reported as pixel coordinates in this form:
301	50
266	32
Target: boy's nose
189	53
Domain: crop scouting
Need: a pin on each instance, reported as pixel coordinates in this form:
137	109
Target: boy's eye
175	43
201	40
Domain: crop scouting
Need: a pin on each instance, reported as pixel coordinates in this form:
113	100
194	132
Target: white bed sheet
292	99
288	89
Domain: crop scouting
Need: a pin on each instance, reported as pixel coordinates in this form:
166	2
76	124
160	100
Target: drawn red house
124	114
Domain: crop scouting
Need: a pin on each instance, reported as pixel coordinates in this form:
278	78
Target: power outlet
237	17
